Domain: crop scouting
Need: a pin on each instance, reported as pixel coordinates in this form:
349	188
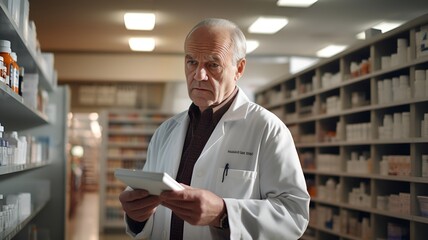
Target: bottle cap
5	43
14	56
14	134
5	46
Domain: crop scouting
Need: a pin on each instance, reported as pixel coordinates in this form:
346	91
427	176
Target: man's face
210	70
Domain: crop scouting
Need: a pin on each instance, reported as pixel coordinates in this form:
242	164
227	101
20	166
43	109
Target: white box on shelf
425	166
14	7
30	88
422	42
24	17
419	84
423	205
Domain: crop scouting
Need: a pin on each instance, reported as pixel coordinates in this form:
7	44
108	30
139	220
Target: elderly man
236	160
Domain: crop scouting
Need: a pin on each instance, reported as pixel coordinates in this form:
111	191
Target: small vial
3	150
2	220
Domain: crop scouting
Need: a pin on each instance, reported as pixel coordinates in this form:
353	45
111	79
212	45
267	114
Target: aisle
84	225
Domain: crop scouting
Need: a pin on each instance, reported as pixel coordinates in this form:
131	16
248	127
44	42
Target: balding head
237	38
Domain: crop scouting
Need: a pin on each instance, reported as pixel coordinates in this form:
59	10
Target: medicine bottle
5	51
15	75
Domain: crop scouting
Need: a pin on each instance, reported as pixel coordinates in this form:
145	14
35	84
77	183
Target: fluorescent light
268	25
142	44
387	26
252	45
330	50
295	3
139	21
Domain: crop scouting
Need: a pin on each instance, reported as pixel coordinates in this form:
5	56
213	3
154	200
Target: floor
84	225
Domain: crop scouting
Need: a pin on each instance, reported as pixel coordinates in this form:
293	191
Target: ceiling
96	26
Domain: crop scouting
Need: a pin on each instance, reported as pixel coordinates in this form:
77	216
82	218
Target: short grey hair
238	38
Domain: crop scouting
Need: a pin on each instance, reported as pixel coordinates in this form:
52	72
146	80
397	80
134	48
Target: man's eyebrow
211	58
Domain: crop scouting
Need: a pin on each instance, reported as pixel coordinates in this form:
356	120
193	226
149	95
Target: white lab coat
264	190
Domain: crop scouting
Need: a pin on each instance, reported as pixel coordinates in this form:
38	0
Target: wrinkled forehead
207	38
209	44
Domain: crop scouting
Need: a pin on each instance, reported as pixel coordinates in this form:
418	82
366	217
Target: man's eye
213	65
191	62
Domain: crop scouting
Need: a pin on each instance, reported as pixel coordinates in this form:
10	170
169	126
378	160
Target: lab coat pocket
233	183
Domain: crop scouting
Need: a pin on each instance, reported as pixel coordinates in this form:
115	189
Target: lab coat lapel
176	149
215	136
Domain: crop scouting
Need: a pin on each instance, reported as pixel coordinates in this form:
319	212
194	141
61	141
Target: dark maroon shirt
200	128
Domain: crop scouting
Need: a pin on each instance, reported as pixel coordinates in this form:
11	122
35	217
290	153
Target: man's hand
195	206
138	204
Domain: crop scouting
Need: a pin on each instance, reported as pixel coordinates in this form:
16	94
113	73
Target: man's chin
202	102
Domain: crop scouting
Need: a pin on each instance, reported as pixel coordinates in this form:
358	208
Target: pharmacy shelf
36	179
26	58
20	168
124	145
370	210
12	232
127	157
15	114
320	105
128	144
135	120
408	179
131	131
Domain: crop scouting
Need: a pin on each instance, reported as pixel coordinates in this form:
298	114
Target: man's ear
240	68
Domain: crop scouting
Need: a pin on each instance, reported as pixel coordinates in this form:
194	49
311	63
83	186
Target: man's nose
201	74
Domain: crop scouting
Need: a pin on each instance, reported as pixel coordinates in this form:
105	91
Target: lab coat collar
239	108
237	111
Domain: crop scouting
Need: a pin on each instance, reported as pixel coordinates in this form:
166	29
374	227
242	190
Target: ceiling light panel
252	45
142	44
295	3
330	50
268	25
139	21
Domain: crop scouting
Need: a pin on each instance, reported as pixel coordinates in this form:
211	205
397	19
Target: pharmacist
237	161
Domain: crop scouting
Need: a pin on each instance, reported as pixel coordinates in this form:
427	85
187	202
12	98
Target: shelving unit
337	115
126	136
45	181
26	57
